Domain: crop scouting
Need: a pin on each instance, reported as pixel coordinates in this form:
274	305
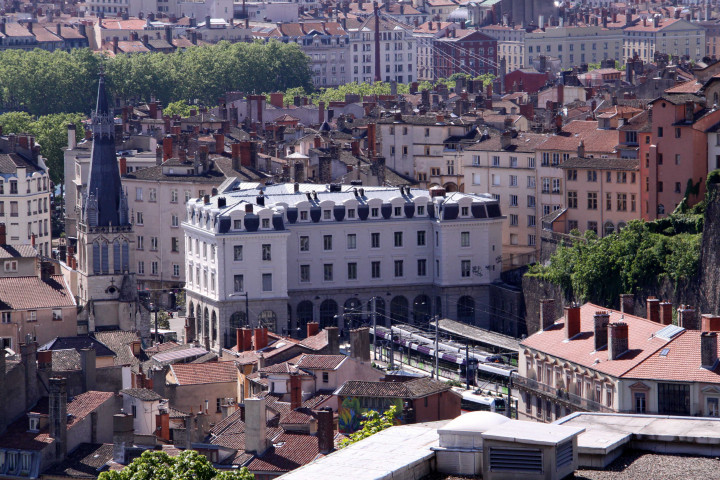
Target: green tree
189	465
51	133
16	122
373	423
178	108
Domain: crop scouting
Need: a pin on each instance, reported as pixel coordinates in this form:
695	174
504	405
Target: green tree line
41	82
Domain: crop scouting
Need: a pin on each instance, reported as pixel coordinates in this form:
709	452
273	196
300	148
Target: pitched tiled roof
82	405
85	461
120	342
316	342
79	343
595	140
320	362
416	388
142	394
289	451
602	163
693	86
200	373
17	251
24	293
581	349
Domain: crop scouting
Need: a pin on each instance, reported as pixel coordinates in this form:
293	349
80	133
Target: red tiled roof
316	342
581	349
648	27
596	140
84	404
693	86
320	362
130	24
200	373
23	293
289	451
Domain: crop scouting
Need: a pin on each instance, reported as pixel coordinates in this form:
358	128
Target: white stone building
307	252
574	45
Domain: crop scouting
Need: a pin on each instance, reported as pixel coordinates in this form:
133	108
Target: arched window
125	256
304	316
450	187
191	310
206	323
105	258
198	321
328	310
116	256
96	258
399	309
267	318
353	312
214	328
237	320
621	226
609	228
661	209
381	314
466	309
421	310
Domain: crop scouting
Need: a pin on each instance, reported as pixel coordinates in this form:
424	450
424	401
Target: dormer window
326	215
465	211
34	424
421	210
237	224
304	216
265	223
398	211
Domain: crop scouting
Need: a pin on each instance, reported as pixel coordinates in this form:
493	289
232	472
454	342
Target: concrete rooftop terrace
606	435
397	453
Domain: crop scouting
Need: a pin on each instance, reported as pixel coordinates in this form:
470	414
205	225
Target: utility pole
467	366
374	322
437	355
377	42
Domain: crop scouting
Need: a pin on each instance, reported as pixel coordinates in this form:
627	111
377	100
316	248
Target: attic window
664	352
34	424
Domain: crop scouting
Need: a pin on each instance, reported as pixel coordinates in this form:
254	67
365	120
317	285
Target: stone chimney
601	320
58	416
708	349
123	436
72	138
627	303
687	317
372	139
255	426
219	143
666	309
581	149
653	309
360	344
89	368
295	391
618	343
710	323
333	337
325	433
572	321
28	354
547	313
312	329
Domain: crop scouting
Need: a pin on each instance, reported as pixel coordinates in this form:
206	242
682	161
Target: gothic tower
106	241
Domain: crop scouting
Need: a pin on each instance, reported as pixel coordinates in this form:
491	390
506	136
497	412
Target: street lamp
247	305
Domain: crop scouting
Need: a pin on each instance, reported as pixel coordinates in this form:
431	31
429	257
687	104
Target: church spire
105	204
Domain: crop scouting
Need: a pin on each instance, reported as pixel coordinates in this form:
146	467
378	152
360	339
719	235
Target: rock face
708	282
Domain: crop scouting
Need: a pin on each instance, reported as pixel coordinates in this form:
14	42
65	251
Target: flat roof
479	335
518	431
179	354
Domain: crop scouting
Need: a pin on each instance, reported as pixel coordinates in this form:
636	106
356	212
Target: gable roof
78	343
30	293
201	373
415	388
320	362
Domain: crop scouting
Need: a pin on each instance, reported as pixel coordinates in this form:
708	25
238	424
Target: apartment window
632	202
513	180
304	273
327	242
622	202
174	221
660	132
266	252
352	271
153	195
495	180
265	223
13	209
140	242
174	244
464	239
374	212
659	159
572	199
531	240
176	270
304	215
678	132
608	201
351	213
592	200
422	267
677	187
421	238
304	244
267	282
398	268
495	161
555	185
326	215
572	175
465	268
398	211
173	196
513	239
374	240
238	252
153	268
398	236
545	185
237	224
608	177
14	189
531	201
592	226
420	210
513	220
513	162
592	176
531	162
476	177
513	200
139	218
351	241
328	272
375	269
154	243
660	187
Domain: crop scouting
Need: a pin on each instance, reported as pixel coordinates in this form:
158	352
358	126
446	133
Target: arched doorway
353	312
608	229
328	310
268	319
421	310
399	309
450	187
206	323
304	316
466	309
214	326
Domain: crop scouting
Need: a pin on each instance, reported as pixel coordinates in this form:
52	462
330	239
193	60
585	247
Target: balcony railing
561	395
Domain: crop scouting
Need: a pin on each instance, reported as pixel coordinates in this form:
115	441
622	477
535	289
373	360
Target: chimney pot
653	309
572	321
618	344
601	320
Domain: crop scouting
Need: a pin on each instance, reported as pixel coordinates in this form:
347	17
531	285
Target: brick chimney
653	309
627	303
708	349
333	337
295	391
321	112
666	309
372	139
687	317
355	148
162	422
167	147
618	343
255	426
547	313
3	234
123	165
360	344
58	416
710	323
123	436
326	432
247	339
240	340
260	334
601	320
219	143
312	329
276	100
572	321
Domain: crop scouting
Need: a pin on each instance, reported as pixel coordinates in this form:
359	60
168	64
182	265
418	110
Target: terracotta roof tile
200	373
23	293
289	451
320	362
415	388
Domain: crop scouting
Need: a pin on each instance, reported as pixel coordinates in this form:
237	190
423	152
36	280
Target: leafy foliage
178	108
600	269
373	423
189	465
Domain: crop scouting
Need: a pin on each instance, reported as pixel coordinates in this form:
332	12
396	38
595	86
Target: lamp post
247	305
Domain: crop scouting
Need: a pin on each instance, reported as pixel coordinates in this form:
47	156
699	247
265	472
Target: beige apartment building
673	36
574	45
511	44
505	166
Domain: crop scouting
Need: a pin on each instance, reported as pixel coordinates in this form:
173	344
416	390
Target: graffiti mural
350	416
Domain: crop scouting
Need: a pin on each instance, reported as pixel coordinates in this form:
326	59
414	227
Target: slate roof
85	461
79	343
415	388
30	293
120	342
142	394
602	163
289	451
201	373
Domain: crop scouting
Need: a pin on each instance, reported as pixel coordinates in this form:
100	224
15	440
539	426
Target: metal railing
561	395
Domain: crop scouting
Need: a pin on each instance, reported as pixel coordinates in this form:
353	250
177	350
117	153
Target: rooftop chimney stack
360	344
547	313
58	415
627	303
653	309
326	434
601	319
295	391
618	344
255	426
123	436
666	309
708	349
572	321
333	338
312	329
687	318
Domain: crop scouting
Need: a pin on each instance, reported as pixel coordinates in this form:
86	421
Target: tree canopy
189	465
373	423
